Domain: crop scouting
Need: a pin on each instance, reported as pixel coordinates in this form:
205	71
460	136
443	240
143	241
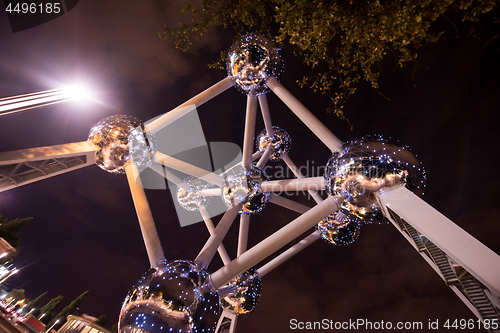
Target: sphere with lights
170	298
248	287
250	61
191	198
339	228
118	139
367	166
280	142
242	186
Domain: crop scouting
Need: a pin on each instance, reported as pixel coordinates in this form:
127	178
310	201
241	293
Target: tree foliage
69	309
9	230
32	303
102	320
16	294
47	308
342	42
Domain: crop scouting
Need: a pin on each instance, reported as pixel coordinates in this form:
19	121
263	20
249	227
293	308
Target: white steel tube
211	192
290	204
159	169
298	174
210	227
264	108
288	185
316	126
289	253
207	252
184	108
249	130
146	222
274	242
265	157
187	168
243	234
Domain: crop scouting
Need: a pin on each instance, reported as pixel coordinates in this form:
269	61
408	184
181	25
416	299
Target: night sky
85	234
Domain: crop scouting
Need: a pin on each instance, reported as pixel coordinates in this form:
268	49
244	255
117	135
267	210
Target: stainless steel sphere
191	199
339	228
168	298
280	142
367	166
118	139
243	186
248	290
251	61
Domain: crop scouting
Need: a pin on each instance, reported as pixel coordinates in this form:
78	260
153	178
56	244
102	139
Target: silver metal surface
247	294
251	61
168	298
117	139
243	186
368	165
280	142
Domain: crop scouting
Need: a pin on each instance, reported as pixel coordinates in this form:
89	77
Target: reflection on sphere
367	166
167	298
191	199
339	228
118	139
251	61
280	142
243	186
248	290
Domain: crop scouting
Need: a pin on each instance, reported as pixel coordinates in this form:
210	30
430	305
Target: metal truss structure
468	267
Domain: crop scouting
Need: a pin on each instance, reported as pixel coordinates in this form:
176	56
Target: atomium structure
365	181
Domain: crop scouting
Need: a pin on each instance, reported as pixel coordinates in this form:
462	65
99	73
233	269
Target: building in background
84	324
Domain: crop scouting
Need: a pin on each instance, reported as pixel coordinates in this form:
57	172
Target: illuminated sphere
339	228
280	142
367	166
191	199
167	298
251	61
248	290
243	186
118	139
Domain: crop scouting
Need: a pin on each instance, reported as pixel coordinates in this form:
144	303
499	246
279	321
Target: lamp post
54	324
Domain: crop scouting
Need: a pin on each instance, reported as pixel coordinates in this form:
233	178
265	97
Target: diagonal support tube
290	204
243	233
207	252
187	168
316	126
298	174
264	108
249	129
276	241
146	222
162	121
289	253
210	227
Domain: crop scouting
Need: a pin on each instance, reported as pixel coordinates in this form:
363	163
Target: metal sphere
243	186
280	142
168	298
339	228
248	290
366	166
191	199
118	139
251	61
